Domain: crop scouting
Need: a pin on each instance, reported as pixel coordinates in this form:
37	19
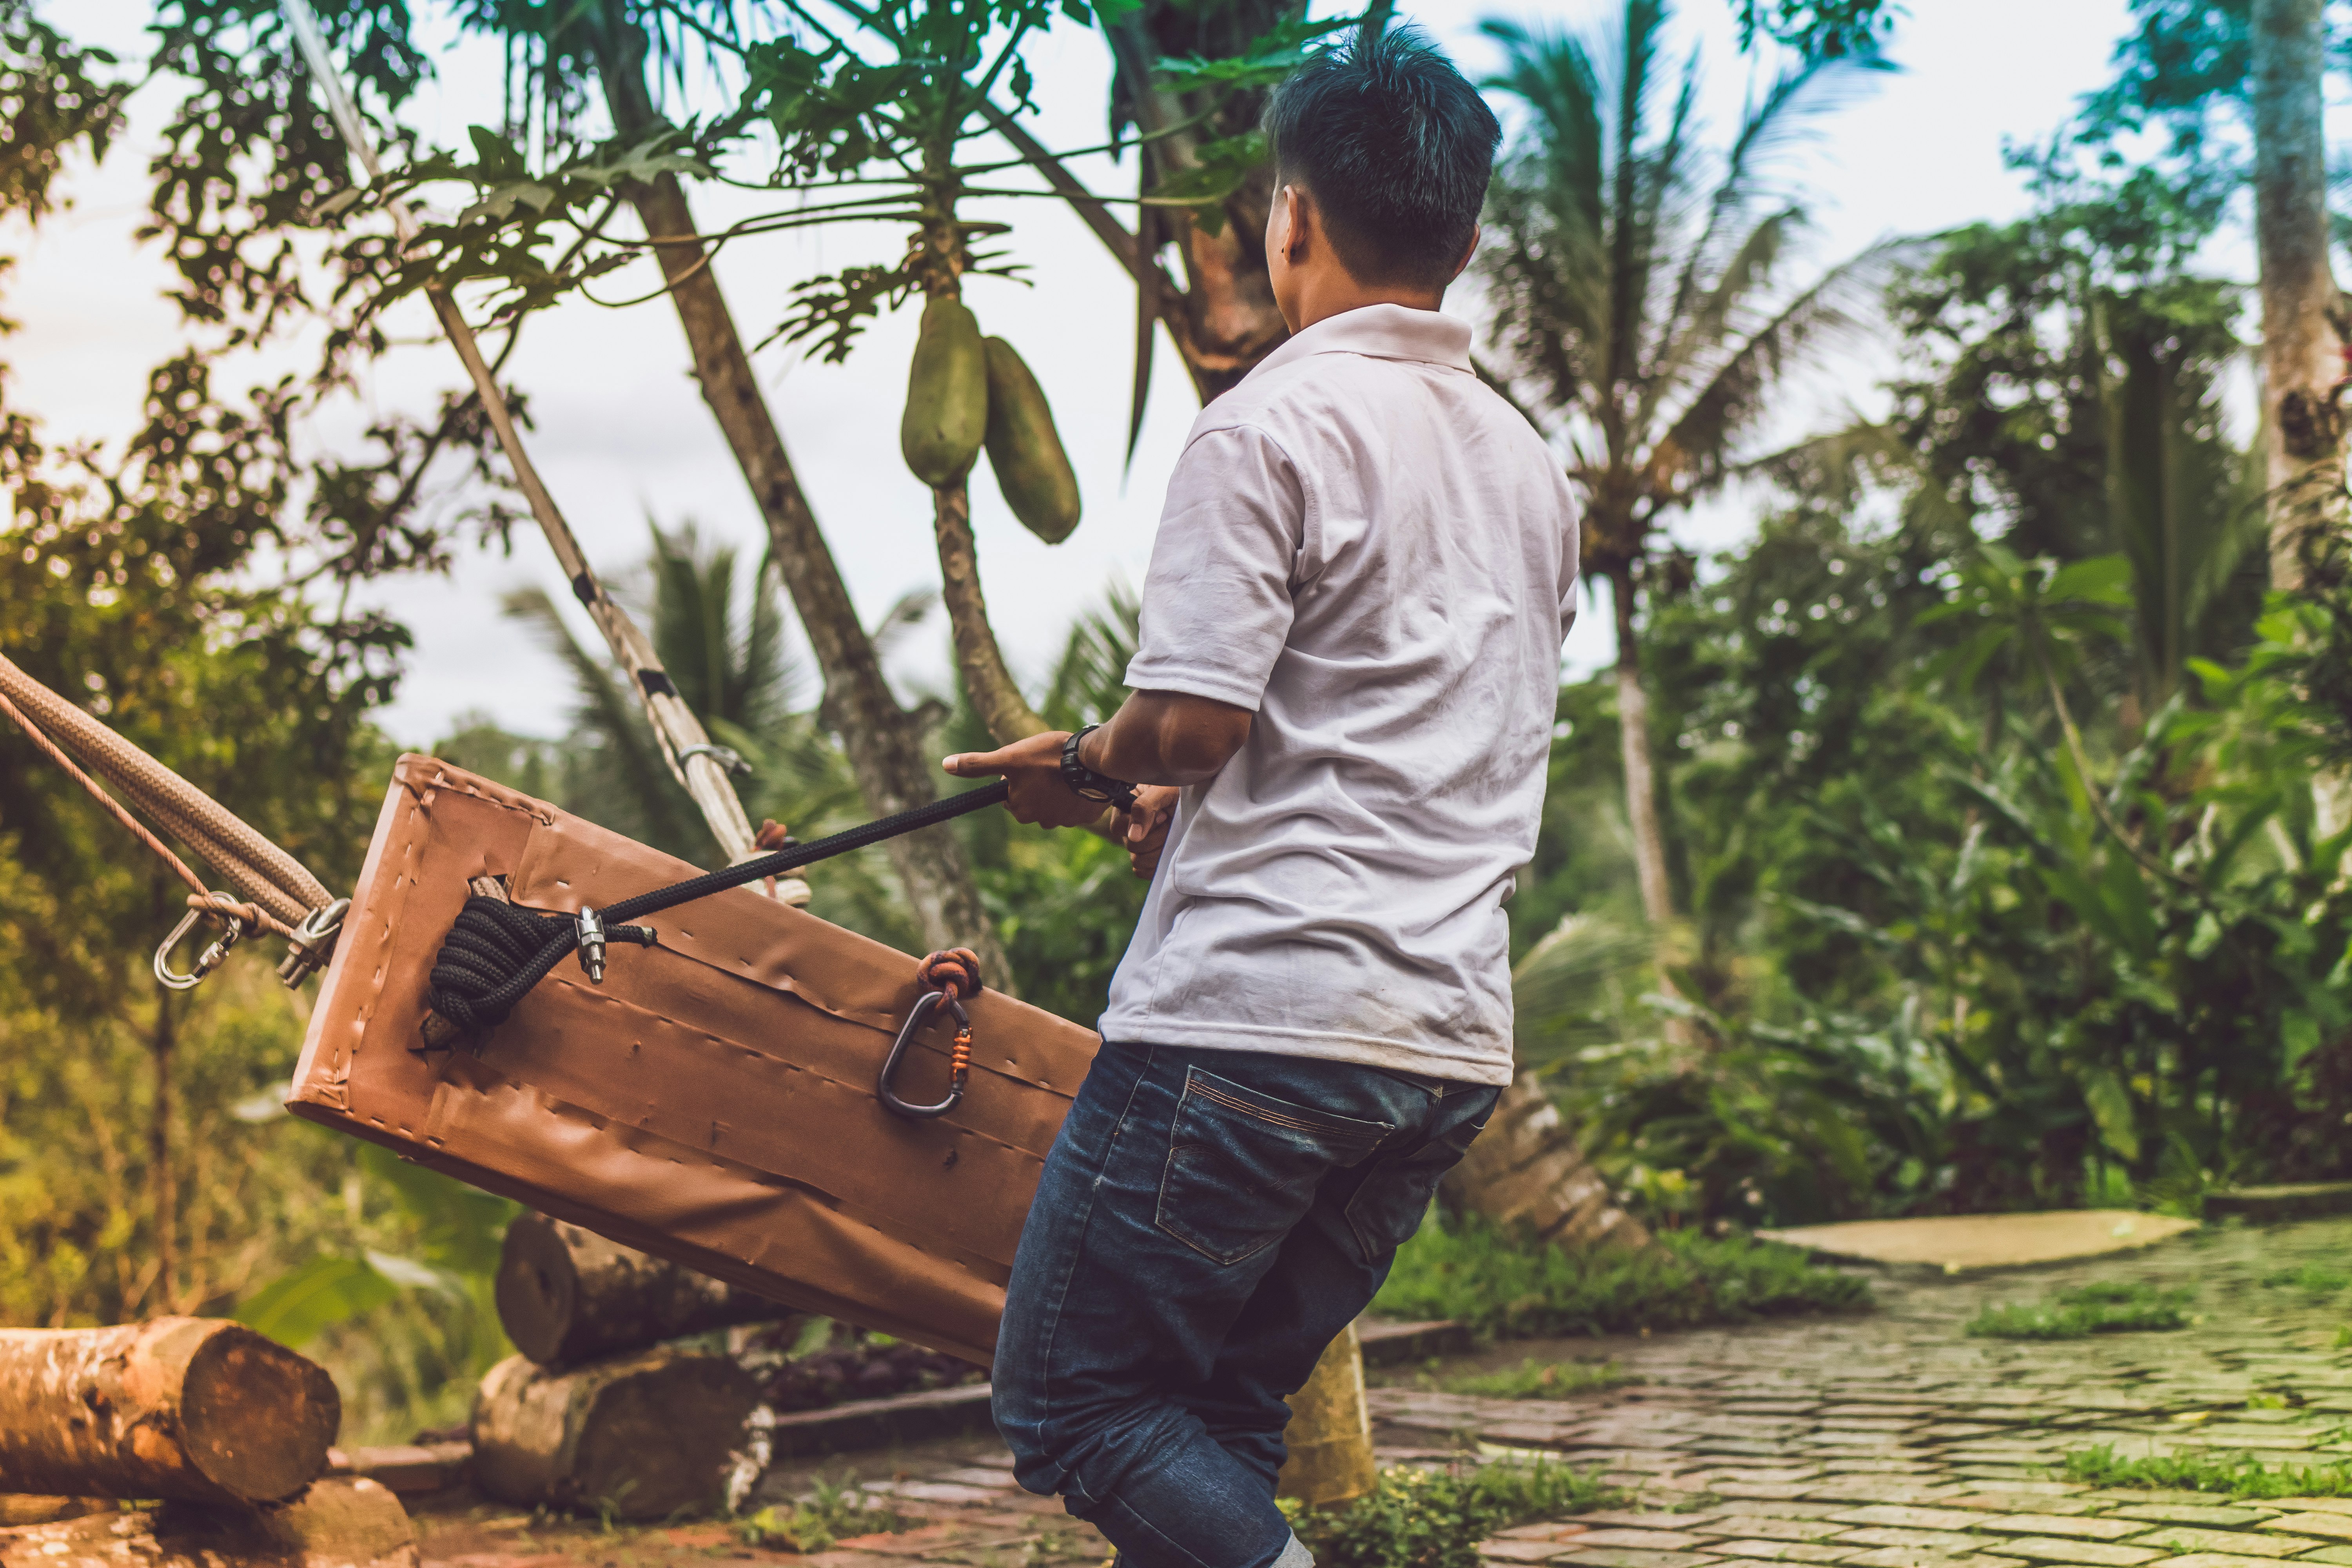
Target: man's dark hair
1394	146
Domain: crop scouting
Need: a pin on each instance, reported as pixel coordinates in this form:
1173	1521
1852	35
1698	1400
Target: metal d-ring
206	961
925	1005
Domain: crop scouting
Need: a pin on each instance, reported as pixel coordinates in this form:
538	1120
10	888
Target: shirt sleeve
1217	600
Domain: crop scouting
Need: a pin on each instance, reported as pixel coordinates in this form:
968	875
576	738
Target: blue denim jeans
1208	1221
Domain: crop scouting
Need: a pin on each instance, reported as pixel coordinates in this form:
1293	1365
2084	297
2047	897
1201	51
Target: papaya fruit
1025	450
946	395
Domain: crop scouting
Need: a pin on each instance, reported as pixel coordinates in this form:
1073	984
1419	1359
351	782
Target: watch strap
1088	784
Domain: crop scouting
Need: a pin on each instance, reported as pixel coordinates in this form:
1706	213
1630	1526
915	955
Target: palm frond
629	787
1694	452
1089	680
1697	337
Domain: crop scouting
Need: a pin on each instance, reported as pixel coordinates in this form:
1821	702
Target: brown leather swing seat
713	1101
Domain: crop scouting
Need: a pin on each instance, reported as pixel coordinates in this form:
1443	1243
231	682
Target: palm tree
2303	330
729	652
1635	280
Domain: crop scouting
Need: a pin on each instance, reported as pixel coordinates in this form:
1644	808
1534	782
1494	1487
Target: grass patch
2316	1279
827	1515
2237	1475
1421	1519
1501	1284
1532	1379
2106	1308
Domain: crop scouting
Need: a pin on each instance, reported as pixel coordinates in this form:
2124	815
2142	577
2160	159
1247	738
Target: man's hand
1033	768
1144	829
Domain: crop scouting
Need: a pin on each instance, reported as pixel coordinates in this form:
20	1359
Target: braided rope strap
494	953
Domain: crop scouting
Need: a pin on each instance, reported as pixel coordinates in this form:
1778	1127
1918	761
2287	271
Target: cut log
567	1295
1526	1171
191	1409
1330	1432
638	1437
332	1524
16	1510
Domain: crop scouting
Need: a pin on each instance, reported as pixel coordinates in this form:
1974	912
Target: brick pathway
1889	1440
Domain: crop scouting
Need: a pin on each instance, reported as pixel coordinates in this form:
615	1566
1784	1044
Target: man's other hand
1144	829
1033	768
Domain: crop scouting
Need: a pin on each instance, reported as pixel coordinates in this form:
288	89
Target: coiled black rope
496	952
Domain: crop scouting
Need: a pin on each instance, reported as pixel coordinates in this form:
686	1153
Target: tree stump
638	1437
332	1524
191	1409
567	1295
1331	1431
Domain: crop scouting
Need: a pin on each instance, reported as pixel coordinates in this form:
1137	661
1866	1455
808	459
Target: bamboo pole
685	744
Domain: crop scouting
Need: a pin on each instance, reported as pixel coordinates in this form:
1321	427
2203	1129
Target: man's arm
1155	738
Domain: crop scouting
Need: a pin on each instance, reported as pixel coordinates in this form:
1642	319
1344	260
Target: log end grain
255	1418
537	1287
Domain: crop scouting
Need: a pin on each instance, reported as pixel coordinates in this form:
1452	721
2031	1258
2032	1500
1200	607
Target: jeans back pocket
1242	1166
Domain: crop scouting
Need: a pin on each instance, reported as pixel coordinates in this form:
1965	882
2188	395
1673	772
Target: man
1342	706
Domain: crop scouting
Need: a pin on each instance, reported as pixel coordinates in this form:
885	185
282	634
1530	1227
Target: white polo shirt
1367	546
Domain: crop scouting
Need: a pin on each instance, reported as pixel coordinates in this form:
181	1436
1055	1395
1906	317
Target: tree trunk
567	1295
2302	348
1524	1170
996	695
333	1524
883	741
1641	783
641	1437
195	1409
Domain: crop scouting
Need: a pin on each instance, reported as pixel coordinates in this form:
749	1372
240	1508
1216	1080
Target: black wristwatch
1088	784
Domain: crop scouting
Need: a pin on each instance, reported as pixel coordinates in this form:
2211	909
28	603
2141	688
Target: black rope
496	952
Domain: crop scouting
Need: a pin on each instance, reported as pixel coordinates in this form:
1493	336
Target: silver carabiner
958	1056
206	961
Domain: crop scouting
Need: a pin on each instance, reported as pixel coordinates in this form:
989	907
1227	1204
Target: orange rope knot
955	970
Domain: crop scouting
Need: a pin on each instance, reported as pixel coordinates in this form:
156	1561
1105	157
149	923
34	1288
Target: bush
1502	1284
1424	1519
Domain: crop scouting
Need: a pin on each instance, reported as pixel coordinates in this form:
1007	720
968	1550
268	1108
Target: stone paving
1882	1440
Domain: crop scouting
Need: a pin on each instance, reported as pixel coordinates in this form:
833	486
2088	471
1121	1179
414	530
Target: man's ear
1468	251
1299	216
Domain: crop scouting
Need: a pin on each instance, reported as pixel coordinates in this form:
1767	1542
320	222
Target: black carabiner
959	1060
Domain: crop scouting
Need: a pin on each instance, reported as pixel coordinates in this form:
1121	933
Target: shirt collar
1382	332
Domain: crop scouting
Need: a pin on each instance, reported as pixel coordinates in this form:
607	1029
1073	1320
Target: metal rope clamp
207	961
959	1054
313	942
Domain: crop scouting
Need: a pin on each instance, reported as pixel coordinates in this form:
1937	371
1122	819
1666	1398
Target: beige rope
282	888
200	897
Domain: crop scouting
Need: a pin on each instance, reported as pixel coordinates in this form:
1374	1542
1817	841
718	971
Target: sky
621	438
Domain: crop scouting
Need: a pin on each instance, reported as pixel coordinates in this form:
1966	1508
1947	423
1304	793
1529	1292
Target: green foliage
1502	1284
833	1511
1415	1518
2312	1279
2204	1470
2104	1308
1824	30
1532	1379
